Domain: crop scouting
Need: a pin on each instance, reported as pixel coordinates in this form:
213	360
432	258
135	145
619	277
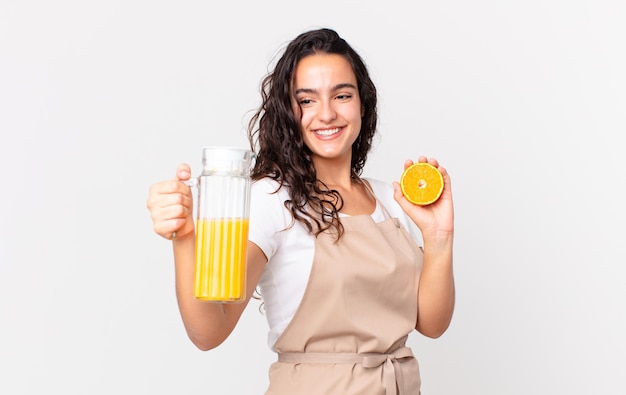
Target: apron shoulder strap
368	187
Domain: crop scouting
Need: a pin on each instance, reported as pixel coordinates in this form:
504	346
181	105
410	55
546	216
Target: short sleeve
268	215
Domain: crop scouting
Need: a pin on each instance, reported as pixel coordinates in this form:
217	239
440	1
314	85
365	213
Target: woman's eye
305	101
345	96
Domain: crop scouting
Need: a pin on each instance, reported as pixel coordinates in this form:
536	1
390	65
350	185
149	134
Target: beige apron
348	335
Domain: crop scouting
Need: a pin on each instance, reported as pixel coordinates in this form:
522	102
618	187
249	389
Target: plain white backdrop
524	102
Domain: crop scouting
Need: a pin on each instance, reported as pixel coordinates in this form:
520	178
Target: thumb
399	197
183	172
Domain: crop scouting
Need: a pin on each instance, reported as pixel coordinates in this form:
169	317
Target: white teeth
327	132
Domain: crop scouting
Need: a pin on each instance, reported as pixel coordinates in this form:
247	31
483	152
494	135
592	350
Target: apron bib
349	332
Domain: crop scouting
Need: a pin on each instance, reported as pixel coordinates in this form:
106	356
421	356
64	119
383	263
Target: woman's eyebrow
344	86
337	87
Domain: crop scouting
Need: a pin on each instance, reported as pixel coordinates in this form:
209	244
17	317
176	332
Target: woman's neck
334	173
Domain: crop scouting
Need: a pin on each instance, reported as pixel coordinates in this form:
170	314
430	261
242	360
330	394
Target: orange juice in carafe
221	259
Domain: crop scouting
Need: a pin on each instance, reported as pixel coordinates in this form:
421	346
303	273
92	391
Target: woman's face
327	100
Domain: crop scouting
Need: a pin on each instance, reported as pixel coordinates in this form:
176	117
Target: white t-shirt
289	250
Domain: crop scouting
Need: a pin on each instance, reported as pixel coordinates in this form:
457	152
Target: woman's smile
327	132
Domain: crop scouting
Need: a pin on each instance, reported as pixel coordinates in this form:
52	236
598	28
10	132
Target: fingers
169	193
170	204
422	159
432	161
169	211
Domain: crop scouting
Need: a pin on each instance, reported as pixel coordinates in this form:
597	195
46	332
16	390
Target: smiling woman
331	253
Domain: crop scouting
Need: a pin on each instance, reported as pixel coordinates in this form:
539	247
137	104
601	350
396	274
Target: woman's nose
327	111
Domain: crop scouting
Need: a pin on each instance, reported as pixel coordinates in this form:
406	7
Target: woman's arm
436	296
208	324
436	288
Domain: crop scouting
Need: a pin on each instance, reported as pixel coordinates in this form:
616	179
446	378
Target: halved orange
421	183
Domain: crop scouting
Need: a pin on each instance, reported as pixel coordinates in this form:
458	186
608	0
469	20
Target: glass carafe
222	207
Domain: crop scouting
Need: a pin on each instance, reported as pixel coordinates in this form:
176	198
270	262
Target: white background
523	101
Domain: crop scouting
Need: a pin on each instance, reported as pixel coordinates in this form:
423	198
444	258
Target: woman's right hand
171	206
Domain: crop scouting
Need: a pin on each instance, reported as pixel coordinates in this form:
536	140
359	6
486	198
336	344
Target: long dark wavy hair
275	133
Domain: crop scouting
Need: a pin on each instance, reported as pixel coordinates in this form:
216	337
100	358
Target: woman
330	252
